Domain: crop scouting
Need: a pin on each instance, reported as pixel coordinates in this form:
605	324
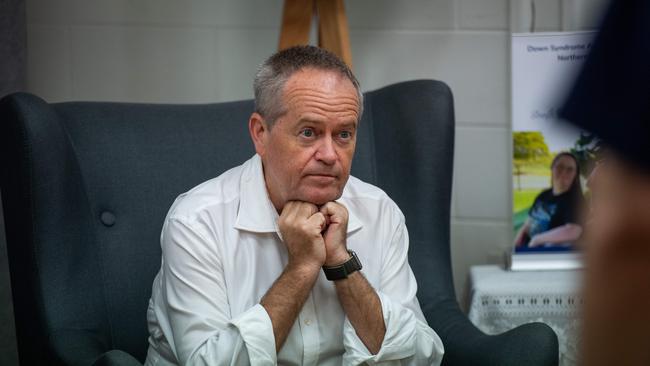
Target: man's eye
345	135
307	132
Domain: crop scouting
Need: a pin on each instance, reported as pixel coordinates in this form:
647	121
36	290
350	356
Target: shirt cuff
255	327
399	340
408	340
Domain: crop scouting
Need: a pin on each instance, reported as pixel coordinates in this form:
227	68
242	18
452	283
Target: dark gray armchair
86	187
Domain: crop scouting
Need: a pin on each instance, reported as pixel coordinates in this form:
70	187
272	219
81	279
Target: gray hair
273	74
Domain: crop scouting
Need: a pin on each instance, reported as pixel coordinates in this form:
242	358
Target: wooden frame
333	34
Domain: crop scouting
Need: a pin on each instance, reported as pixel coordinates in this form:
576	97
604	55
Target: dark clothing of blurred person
612	99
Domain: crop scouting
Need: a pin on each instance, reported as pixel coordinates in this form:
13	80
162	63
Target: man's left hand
335	234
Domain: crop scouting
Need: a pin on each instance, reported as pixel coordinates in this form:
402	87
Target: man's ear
259	131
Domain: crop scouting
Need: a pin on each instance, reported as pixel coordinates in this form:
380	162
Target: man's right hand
301	225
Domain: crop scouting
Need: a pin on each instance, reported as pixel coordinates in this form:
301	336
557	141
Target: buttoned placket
309	330
252	218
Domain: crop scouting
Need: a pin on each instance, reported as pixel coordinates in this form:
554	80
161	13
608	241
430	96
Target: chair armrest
529	344
533	344
84	347
116	358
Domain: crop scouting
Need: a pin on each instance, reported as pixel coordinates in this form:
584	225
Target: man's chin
319	198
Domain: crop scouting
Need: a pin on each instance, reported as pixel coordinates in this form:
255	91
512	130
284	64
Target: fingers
318	220
298	210
331	212
302	215
307	209
335	212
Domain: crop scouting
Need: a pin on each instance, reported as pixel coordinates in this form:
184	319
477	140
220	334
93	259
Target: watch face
342	271
353	264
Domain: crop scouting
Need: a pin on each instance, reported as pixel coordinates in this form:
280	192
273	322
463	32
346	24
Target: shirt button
308	322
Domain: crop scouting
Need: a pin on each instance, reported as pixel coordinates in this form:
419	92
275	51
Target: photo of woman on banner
554	218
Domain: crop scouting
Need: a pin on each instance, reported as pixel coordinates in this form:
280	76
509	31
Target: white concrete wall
207	51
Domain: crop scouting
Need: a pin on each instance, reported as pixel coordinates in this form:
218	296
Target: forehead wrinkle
328	105
319	91
315	109
311	94
314	117
327	108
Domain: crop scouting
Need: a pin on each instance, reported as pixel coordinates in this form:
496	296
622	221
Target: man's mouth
325	178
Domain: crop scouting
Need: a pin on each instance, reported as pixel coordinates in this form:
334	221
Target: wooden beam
333	34
296	23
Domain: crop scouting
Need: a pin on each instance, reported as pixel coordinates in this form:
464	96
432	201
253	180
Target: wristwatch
342	271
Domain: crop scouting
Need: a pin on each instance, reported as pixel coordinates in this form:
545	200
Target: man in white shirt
261	265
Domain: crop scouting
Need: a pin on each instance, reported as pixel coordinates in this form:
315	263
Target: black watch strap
342	271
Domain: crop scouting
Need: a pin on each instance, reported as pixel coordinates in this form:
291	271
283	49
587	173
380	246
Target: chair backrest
86	186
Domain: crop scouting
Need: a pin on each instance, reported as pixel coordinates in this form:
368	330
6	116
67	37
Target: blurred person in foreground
612	99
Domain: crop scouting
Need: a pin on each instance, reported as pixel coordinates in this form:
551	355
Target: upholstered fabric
86	187
116	358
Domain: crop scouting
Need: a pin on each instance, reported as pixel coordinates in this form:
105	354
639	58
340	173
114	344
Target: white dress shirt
222	251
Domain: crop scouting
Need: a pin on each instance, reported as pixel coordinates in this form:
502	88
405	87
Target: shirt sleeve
408	339
195	313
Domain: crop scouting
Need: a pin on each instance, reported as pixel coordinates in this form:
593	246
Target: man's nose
326	151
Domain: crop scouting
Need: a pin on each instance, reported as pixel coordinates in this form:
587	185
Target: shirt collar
256	212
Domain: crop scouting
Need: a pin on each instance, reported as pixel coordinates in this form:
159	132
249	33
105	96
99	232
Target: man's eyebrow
310	120
306	120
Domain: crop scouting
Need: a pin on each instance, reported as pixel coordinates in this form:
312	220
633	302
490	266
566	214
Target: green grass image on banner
521	202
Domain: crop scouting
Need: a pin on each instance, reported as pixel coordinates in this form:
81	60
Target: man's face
307	154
